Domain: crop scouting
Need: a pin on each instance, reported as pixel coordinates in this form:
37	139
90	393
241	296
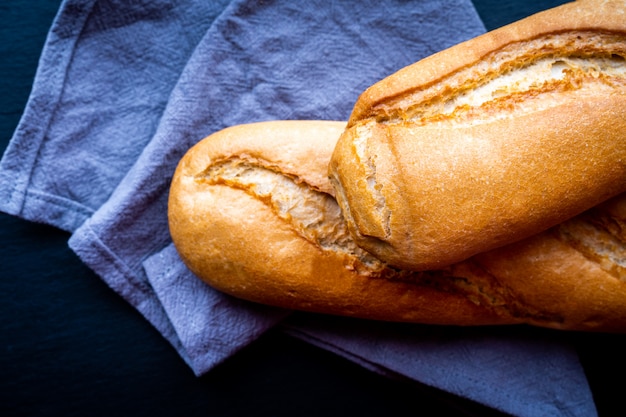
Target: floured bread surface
490	141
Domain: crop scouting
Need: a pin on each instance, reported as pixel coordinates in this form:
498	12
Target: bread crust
489	142
251	214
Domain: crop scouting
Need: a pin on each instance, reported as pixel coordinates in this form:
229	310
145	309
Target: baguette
252	213
488	142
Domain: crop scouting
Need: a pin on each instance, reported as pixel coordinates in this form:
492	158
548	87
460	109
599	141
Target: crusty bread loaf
490	141
252	213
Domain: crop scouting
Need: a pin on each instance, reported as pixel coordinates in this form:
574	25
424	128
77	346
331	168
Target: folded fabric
520	371
124	88
104	78
210	326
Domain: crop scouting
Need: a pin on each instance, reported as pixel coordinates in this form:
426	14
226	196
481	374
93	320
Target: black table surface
71	346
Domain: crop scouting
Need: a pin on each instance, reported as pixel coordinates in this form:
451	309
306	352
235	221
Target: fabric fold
21	158
210	326
518	370
104	78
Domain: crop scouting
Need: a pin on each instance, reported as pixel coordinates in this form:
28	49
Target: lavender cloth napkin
125	87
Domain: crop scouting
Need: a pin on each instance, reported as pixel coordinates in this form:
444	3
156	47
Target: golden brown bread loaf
251	213
490	141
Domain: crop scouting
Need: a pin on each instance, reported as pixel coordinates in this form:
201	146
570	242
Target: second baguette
490	141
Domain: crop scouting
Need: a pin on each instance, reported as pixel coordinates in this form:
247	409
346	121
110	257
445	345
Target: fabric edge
86	245
21	153
204	361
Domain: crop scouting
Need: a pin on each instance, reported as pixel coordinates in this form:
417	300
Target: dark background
72	347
